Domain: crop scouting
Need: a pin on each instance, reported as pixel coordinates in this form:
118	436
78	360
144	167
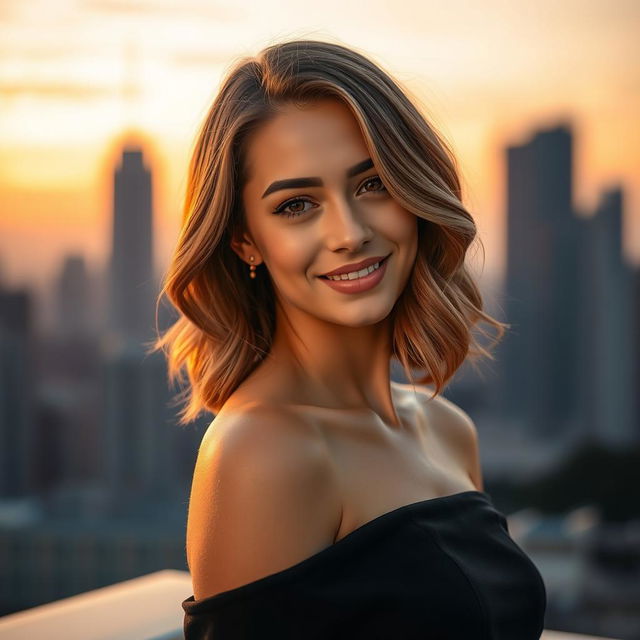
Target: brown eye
283	209
374	179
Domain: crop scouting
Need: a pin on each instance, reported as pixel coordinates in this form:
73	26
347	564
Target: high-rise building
607	341
541	296
142	443
141	437
73	300
17	393
132	283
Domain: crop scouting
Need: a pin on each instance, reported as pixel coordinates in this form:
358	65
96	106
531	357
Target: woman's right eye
282	209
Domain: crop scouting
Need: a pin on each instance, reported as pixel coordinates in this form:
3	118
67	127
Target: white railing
145	608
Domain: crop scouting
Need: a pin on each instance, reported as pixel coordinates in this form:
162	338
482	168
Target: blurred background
100	101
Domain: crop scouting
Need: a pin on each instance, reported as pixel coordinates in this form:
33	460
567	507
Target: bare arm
264	497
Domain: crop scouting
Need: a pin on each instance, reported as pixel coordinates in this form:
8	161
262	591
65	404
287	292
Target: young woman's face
339	213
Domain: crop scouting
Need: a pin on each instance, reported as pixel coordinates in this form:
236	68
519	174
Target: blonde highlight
227	317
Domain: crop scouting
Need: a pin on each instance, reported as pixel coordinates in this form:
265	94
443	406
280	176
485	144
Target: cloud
200	58
169	8
37	51
8	10
56	90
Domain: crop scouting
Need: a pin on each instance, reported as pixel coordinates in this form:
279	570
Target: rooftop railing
144	608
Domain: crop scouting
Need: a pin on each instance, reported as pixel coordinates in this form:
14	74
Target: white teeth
353	275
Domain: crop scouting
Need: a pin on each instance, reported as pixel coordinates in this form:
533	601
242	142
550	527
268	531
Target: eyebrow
293	183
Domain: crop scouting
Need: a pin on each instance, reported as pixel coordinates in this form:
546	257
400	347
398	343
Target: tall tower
132	285
73	301
17	393
607	312
544	242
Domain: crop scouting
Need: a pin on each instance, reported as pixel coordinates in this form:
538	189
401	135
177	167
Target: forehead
315	140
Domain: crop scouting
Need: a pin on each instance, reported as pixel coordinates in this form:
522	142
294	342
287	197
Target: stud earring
252	268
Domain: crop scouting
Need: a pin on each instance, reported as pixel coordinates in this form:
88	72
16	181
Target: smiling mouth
364	276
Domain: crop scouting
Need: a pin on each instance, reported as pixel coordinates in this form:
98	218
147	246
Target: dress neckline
336	549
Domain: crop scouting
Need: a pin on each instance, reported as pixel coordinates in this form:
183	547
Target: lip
354	266
359	285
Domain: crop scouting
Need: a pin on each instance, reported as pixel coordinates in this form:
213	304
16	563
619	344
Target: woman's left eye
283	208
374	179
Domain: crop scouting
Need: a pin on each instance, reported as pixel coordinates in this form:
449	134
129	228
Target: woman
323	235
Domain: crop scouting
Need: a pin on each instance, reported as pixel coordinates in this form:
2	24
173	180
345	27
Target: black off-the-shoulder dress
444	568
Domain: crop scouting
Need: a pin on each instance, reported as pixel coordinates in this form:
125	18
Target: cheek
290	251
412	233
402	227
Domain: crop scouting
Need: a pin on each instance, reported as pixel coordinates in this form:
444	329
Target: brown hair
227	319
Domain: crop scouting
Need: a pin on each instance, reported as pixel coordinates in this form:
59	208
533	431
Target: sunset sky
74	75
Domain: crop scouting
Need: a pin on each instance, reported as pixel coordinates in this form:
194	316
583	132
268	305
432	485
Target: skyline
62	116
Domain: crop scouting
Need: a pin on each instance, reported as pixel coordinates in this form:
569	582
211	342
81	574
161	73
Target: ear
243	245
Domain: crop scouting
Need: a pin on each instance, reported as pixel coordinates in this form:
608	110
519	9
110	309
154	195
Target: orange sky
74	75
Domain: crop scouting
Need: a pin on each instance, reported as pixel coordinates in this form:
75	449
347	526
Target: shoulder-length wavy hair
226	320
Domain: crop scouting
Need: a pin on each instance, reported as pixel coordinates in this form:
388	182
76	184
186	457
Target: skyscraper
132	284
73	301
544	238
608	338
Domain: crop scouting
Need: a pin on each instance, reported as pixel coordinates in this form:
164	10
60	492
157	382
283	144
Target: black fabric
445	568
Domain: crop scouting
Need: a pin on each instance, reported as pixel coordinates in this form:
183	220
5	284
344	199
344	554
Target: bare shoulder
455	426
264	497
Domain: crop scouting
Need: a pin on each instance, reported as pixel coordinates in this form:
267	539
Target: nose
345	228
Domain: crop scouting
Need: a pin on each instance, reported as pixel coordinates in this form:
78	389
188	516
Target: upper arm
263	498
460	432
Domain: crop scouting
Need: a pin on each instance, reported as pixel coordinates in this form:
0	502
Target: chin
369	314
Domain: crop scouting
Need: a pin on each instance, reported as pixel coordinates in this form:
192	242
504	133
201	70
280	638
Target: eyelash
280	210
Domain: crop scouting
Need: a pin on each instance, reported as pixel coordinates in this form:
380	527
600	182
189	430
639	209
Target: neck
335	366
